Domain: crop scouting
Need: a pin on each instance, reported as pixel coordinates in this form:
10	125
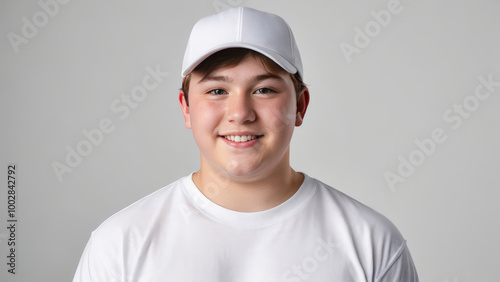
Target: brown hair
233	56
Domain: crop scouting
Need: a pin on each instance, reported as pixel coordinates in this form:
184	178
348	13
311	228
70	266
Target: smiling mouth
242	138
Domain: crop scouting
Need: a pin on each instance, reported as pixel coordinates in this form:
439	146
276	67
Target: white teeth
237	138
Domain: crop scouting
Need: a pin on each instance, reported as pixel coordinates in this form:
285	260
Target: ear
302	103
185	109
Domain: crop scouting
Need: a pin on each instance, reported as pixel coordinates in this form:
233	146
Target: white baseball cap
243	27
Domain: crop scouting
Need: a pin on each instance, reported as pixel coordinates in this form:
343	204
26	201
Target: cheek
205	117
282	117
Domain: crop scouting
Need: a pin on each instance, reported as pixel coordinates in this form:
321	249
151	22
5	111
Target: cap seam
240	25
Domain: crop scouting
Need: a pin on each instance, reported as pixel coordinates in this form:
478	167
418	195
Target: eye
217	92
264	91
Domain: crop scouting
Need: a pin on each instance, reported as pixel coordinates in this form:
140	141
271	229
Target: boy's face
256	108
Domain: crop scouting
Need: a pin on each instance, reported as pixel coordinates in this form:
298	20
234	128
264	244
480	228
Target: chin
238	170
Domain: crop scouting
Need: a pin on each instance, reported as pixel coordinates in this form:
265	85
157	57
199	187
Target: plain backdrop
379	89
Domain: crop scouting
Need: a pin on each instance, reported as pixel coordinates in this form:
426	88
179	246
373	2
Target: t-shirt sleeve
83	270
401	268
93	265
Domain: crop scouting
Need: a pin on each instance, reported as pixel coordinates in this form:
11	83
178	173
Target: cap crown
243	27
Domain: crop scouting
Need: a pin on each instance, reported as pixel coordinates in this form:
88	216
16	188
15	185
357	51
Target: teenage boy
245	215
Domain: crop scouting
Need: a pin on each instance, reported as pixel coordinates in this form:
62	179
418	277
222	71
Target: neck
248	193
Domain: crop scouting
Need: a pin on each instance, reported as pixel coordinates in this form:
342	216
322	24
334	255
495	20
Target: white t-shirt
177	234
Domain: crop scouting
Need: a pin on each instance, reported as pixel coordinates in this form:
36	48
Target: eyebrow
255	79
268	75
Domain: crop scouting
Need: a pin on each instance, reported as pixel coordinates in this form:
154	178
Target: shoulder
141	214
365	233
117	242
352	212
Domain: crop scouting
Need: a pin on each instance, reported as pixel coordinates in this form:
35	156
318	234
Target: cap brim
279	60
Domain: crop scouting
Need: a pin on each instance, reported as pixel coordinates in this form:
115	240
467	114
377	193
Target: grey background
363	115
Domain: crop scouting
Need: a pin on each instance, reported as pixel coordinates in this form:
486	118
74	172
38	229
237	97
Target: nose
240	109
